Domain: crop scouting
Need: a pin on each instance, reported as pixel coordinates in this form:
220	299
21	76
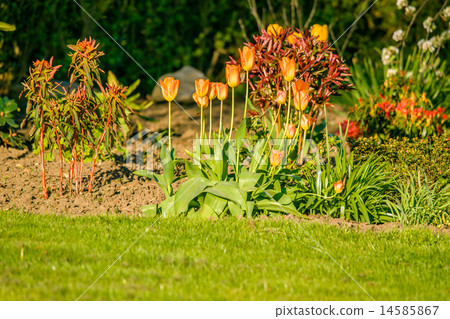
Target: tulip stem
170	129
326	132
232	112
201	123
220	124
210	120
289	110
303	146
246	95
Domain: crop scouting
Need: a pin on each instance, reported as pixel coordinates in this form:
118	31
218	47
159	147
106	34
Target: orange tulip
293	38
276	157
288	68
338	187
300	85
290	130
222	91
233	75
202	102
301	100
281	97
306	122
274	29
213	91
169	88
247	58
202	87
320	31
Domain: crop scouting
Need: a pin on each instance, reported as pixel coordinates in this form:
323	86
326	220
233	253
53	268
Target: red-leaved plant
77	119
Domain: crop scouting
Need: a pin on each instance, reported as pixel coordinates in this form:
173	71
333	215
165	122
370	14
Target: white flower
387	54
391	72
409	10
398	35
439	74
445	35
426	45
429	25
437	41
409	74
401	4
446	13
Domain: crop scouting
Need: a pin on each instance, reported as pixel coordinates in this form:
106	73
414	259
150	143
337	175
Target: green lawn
55	257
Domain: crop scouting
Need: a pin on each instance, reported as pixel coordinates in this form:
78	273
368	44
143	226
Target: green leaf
217	204
240	134
249	181
229	190
188	191
235	210
7	27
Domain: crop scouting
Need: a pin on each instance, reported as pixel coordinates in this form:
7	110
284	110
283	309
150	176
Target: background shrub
164	35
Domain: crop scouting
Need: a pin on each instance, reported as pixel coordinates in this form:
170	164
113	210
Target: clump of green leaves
77	122
8	134
421	202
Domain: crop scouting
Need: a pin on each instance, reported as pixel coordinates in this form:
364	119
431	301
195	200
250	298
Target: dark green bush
164	35
432	155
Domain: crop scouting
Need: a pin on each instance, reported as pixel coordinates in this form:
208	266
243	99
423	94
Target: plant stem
210	120
220	124
246	95
232	113
201	123
303	146
170	128
60	160
41	145
326	132
289	109
81	160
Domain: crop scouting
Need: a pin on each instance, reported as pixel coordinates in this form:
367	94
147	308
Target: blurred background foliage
165	35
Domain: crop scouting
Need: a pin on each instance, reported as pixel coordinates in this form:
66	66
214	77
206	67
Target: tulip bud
202	87
276	157
247	58
274	30
290	130
233	75
281	97
320	31
306	122
301	100
169	88
202	102
338	187
288	68
212	91
222	91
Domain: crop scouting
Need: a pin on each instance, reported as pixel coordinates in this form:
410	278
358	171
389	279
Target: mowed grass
58	258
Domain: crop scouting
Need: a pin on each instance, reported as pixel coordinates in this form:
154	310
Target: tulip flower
320	31
222	91
274	30
338	187
301	100
222	94
247	58
233	75
169	88
292	38
288	68
202	87
276	157
306	121
290	130
300	85
202	103
281	97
